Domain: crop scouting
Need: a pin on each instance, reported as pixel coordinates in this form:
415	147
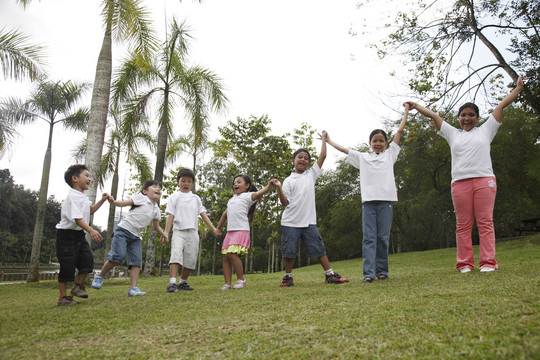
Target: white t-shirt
470	149
186	208
377	181
76	206
300	191
237	211
141	216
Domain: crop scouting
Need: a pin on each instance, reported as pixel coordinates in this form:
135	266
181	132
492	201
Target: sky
294	60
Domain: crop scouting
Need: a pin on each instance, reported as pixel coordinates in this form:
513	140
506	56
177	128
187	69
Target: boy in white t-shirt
299	219
183	210
72	249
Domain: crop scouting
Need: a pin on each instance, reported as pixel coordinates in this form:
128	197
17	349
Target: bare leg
63	289
238	266
325	263
227	269
185	273
108	266
134	275
289	262
173	271
80	278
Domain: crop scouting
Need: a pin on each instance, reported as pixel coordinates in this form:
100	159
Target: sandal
367	280
382	277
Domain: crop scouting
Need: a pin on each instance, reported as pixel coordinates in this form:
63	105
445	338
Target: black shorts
73	252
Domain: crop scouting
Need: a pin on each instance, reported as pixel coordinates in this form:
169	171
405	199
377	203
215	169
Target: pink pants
475	198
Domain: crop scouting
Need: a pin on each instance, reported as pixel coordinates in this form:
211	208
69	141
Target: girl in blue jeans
378	191
126	240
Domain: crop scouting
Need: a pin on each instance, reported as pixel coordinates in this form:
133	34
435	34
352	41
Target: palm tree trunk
33	269
112	208
99	107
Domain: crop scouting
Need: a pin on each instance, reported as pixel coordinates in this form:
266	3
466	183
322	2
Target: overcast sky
294	60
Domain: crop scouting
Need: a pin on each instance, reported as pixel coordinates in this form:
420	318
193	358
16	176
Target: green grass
426	310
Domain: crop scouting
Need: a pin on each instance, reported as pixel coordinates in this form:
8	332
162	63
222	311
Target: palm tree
168	77
49	101
19	59
124	144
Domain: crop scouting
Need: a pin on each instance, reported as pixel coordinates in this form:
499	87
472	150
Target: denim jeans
125	245
376	224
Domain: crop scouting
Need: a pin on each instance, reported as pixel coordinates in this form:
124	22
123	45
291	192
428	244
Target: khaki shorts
184	248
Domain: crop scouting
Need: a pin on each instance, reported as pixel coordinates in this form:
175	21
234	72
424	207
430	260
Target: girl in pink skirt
239	215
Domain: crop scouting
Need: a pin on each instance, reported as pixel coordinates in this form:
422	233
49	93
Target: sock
172	280
182	281
288	274
329	271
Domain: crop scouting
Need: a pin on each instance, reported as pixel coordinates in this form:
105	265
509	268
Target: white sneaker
465	270
239	284
225	287
486	269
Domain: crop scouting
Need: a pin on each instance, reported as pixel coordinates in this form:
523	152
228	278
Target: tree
167	76
19	59
49	101
434	37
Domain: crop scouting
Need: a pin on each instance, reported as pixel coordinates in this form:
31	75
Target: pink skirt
238	238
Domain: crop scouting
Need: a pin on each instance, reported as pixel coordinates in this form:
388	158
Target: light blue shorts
310	237
125	245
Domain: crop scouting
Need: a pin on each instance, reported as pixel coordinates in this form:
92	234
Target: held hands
275	182
164	238
110	199
409	105
323	136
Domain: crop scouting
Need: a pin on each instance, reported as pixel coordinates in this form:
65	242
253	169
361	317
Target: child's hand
110	199
271	184
105	196
407	106
164	239
410	104
520	82
323	135
217	233
95	236
276	183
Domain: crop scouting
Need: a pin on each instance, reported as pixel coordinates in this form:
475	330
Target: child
184	209
299	219
72	249
126	240
239	214
474	186
378	190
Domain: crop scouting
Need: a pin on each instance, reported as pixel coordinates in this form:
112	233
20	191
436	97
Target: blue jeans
376	225
310	237
125	245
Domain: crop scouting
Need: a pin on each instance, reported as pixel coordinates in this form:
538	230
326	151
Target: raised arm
336	145
426	112
282	197
322	156
498	112
399	131
258	194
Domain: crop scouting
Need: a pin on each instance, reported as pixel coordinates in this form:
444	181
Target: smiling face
468	118
153	192
240	185
378	143
82	181
301	162
185	183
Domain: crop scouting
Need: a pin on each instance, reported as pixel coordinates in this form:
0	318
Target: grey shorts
310	237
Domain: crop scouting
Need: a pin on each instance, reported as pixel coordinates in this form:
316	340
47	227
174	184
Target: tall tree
52	102
168	77
446	43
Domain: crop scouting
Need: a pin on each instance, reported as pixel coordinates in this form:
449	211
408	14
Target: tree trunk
99	108
112	208
33	269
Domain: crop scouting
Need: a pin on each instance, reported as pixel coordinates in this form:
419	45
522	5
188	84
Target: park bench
529	225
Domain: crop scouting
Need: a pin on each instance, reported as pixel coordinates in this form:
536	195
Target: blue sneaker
134	291
98	282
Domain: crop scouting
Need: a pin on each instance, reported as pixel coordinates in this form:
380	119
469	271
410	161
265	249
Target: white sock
329	271
288	274
172	280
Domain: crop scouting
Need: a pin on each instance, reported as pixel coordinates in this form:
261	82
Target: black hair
73	170
145	186
469	105
299	151
185	172
252	188
378	131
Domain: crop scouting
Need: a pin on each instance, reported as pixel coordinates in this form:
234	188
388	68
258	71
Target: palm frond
19	58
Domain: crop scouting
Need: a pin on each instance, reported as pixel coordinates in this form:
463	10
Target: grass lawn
426	310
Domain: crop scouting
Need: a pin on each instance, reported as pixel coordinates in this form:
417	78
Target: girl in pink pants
473	182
